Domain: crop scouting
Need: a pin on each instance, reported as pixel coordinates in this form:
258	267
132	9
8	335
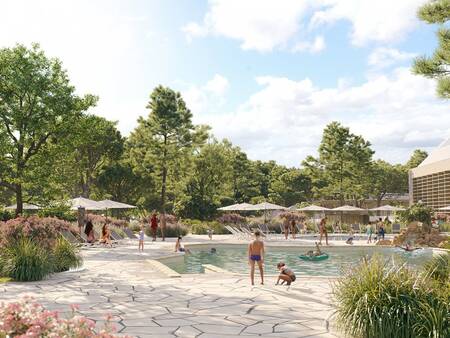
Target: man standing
154	225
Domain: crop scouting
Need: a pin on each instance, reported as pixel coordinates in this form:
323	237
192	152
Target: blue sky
267	75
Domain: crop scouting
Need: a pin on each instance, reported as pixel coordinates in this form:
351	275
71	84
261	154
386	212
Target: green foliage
58	210
25	260
416	213
65	256
6	215
417	157
201	228
171	230
387	178
378	300
38	106
438	65
438	268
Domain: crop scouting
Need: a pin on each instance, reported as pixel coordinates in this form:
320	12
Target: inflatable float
320	257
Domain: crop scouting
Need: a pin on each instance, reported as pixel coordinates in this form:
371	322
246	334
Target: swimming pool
234	258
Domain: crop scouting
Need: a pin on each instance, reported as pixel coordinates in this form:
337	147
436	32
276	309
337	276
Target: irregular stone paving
143	303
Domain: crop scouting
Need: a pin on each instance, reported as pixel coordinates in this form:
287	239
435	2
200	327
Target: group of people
105	237
379	230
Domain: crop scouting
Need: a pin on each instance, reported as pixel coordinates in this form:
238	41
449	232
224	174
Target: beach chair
282	228
240	233
336	228
246	230
396	228
115	236
233	231
264	228
129	233
68	236
356	228
301	228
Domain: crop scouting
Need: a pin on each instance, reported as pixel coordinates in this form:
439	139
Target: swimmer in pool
256	256
408	247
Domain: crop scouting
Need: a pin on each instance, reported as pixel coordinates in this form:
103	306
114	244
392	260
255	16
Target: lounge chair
356	228
129	233
233	232
301	228
115	236
68	236
396	228
336	228
264	228
246	230
240	233
282	228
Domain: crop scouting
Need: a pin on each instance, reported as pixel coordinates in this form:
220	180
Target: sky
266	75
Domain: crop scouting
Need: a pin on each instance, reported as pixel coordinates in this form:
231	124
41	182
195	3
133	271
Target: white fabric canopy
81	202
313	207
266	206
236	207
348	208
445	208
25	206
109	204
387	208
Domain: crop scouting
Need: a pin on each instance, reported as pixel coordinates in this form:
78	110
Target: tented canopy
81	202
348	208
236	207
25	206
314	208
387	208
445	208
108	204
266	206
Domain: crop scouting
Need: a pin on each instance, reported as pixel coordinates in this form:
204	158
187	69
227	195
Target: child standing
141	239
256	255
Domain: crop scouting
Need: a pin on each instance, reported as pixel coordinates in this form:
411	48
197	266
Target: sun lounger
282	228
115	236
129	233
264	228
301	228
356	228
68	236
336	228
396	228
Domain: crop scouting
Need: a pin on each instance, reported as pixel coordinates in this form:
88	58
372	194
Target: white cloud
264	25
258	24
380	20
312	47
206	98
284	120
383	57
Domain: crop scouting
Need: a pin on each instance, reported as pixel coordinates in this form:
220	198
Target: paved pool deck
146	300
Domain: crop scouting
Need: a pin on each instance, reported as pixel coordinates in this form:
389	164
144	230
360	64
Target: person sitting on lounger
179	247
106	235
89	231
317	252
286	274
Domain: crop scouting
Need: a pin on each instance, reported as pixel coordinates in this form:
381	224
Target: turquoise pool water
234	258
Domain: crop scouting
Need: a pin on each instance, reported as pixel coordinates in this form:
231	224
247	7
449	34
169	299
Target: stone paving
143	302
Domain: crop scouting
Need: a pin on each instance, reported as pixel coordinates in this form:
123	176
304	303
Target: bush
438	268
65	256
231	219
29	319
25	260
6	215
416	213
58	210
377	300
171	230
100	219
42	230
199	229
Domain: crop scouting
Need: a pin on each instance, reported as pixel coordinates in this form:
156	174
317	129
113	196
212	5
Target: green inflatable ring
314	258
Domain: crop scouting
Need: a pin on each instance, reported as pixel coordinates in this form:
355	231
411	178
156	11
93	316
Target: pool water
234	258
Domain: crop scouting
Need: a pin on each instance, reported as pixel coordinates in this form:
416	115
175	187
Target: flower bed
27	318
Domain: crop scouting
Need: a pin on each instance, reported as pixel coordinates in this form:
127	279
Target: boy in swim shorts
256	255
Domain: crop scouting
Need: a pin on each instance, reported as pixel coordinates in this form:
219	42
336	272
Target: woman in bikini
256	255
286	274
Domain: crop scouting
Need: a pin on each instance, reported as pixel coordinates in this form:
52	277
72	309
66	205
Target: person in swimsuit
106	235
293	229
323	230
141	239
179	247
286	228
408	247
154	225
286	274
256	255
89	231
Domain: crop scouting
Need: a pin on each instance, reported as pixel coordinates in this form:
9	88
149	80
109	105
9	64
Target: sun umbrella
236	207
387	208
25	206
313	207
109	204
445	208
85	203
266	206
348	208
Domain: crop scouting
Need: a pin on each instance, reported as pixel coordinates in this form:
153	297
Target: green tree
388	178
417	157
289	186
437	66
244	178
161	144
209	182
38	105
343	165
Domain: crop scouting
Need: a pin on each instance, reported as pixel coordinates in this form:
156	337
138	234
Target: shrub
199	229
231	219
65	256
58	210
171	230
25	260
417	213
438	268
29	319
100	219
377	300
6	215
42	230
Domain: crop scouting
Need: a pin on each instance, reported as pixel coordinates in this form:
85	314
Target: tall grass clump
438	268
25	260
378	299
65	256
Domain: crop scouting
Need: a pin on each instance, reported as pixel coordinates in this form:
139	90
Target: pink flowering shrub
28	319
42	230
100	219
231	219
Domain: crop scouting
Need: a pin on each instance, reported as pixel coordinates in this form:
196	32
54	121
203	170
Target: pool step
164	269
209	268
